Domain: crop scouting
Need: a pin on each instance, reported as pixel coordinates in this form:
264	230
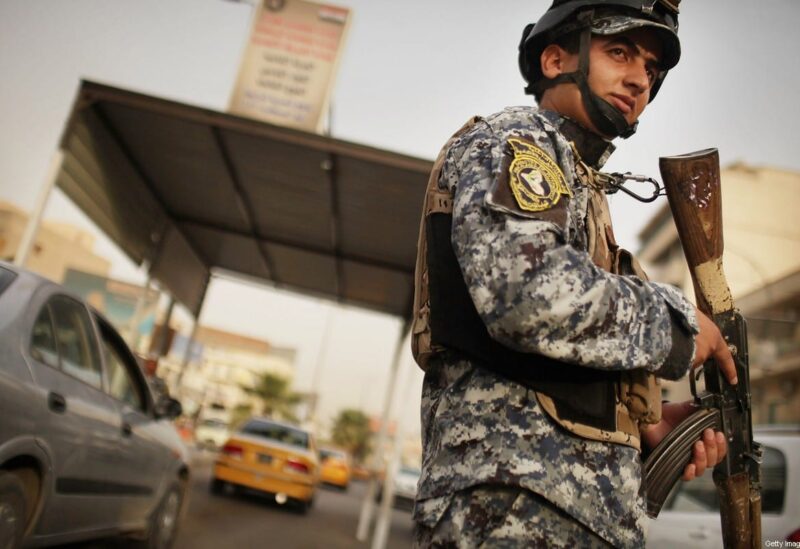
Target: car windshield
411	471
276	431
327	453
214	423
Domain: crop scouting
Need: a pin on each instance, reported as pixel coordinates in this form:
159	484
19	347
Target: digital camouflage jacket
537	290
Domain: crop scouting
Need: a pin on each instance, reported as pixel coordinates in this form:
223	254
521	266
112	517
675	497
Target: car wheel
13	507
163	528
303	507
216	486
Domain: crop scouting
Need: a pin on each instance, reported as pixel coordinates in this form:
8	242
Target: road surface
247	521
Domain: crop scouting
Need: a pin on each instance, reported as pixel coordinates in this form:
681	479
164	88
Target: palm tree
241	412
351	431
276	398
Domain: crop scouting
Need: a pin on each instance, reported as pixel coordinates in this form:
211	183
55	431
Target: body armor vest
603	405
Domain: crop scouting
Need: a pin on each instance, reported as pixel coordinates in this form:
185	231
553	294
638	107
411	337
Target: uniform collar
594	150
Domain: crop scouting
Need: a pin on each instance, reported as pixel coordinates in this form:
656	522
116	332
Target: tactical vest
609	406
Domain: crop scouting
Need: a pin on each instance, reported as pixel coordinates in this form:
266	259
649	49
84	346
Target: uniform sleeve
537	293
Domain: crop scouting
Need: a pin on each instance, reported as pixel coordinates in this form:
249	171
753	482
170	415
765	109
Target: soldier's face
622	70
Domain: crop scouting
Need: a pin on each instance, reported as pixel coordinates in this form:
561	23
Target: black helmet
604	17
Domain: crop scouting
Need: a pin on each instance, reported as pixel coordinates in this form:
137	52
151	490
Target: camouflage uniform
507	517
537	290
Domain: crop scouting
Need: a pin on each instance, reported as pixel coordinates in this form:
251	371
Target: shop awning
191	191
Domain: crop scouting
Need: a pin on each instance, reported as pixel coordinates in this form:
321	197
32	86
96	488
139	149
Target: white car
690	517
211	433
405	487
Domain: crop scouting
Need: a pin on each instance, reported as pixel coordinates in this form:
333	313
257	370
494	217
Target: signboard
116	300
290	62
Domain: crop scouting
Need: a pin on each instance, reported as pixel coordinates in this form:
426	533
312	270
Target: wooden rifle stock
692	183
693	190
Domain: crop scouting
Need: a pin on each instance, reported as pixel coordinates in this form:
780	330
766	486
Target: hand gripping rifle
692	185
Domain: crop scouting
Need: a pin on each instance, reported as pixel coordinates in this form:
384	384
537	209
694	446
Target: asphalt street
245	521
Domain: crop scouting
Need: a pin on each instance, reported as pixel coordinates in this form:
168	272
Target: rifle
692	185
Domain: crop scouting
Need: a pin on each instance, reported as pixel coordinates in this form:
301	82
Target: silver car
85	449
690	517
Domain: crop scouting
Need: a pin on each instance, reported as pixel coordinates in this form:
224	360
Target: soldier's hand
709	343
707	452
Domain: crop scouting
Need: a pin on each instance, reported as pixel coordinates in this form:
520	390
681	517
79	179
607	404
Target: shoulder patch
536	181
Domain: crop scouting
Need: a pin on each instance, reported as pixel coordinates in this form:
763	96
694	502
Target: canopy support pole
368	505
187	356
133	324
383	524
163	340
32	228
322	354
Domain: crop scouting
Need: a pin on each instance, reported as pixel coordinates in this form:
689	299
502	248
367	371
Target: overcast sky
411	74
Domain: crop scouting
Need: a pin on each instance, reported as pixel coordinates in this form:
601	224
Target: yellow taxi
335	467
272	457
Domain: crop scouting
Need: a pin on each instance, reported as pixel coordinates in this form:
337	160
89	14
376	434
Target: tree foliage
276	397
351	431
240	414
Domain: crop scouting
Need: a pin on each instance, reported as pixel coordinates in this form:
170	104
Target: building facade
58	246
221	367
762	265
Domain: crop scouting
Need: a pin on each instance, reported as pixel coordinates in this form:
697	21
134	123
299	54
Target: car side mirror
169	408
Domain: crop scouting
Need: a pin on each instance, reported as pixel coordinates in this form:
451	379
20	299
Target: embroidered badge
535	179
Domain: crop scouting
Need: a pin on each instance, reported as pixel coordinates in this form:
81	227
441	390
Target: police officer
542	340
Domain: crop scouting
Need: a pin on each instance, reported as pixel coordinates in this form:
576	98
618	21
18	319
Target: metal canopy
190	190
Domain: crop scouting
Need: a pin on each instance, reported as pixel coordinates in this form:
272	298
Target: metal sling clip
616	182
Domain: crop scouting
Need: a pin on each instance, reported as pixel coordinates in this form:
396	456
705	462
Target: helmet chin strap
605	117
